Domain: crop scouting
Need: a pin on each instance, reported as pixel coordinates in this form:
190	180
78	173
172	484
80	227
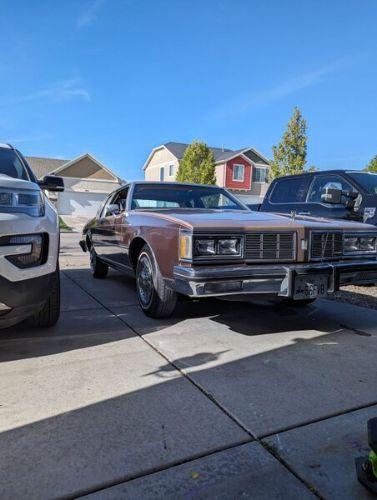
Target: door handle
303	213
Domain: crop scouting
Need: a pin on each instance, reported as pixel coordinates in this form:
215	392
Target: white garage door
81	204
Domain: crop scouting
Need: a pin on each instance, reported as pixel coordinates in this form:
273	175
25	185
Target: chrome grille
270	246
326	245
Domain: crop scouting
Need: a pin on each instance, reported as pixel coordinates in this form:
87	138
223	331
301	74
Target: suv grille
270	246
326	245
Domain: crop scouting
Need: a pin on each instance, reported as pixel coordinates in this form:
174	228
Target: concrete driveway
224	400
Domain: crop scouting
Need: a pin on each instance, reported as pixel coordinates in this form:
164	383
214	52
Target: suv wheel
50	313
99	269
156	299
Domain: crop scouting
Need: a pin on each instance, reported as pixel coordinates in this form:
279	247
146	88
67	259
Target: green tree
372	165
290	153
197	165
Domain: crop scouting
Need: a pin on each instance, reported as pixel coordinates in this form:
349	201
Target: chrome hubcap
145	280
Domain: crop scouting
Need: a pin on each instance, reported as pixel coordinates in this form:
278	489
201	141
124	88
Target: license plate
310	286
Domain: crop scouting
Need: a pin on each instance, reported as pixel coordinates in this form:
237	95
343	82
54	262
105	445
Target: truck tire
156	299
99	269
50	313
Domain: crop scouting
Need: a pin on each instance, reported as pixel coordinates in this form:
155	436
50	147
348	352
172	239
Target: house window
171	170
238	173
162	174
260	174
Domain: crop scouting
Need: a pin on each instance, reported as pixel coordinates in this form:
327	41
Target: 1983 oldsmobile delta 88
200	241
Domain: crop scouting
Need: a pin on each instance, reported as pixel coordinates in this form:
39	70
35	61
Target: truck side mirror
332	195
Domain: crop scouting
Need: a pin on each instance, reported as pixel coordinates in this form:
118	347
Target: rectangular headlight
359	244
218	247
229	246
205	247
209	247
27	201
367	244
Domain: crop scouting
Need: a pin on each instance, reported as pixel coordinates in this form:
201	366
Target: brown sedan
200	241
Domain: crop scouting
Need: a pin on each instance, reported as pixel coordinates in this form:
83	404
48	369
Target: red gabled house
243	171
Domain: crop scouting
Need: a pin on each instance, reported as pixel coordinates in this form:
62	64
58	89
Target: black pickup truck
335	194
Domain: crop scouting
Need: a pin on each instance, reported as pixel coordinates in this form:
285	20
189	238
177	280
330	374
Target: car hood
12	183
244	221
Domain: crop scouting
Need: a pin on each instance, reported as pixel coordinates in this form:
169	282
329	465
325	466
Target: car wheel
50	313
99	269
298	303
156	299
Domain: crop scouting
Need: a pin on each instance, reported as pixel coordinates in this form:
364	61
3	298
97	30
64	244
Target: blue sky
118	77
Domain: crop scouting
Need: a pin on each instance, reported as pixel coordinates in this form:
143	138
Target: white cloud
65	90
283	89
90	14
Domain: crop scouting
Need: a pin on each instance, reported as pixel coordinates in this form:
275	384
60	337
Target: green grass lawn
63	226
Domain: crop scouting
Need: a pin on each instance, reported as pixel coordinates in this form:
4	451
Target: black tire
156	299
99	269
298	303
50	313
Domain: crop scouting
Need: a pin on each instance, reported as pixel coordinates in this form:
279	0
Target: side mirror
332	195
112	209
52	183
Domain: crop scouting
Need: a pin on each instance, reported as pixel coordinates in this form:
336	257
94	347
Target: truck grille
326	245
270	246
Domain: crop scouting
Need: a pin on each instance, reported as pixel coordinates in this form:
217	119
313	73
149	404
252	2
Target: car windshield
367	180
175	196
11	165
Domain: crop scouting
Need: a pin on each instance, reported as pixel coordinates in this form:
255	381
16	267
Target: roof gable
86	166
44	166
82	167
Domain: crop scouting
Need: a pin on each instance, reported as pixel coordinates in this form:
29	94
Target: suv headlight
354	243
207	247
26	201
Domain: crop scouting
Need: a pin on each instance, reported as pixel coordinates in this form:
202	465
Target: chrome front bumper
268	279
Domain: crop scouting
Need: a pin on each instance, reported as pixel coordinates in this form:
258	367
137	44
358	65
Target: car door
289	194
120	254
317	207
103	234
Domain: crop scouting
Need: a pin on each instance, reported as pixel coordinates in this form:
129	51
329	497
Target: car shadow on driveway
153	422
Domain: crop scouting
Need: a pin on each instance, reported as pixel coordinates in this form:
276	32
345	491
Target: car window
105	204
159	196
138	203
367	180
121	198
322	182
290	190
216	201
12	166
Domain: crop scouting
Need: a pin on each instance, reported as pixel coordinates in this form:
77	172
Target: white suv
29	244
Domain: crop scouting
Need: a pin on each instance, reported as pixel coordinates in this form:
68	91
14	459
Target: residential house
87	182
243	171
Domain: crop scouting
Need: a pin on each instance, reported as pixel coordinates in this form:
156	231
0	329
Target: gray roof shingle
178	149
44	166
221	154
